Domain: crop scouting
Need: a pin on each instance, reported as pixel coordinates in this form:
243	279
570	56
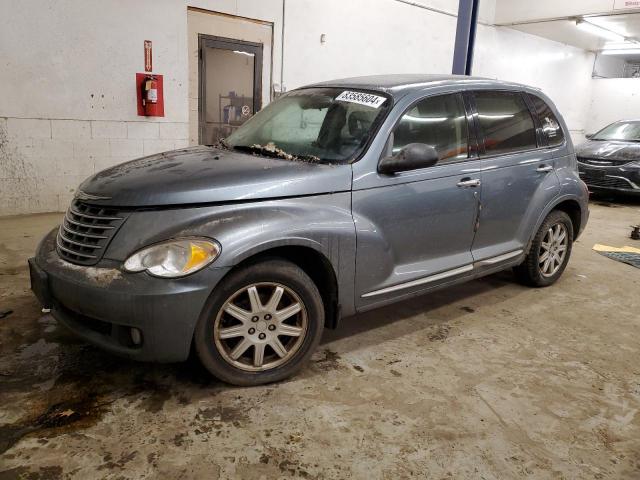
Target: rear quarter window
551	129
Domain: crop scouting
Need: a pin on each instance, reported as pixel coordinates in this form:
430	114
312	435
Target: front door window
437	121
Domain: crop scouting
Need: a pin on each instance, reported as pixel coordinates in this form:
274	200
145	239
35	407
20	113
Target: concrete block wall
43	161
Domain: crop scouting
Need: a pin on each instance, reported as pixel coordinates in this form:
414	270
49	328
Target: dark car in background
609	162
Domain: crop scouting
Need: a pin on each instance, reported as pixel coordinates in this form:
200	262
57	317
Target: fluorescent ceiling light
599	31
244	53
621	51
608	24
620	45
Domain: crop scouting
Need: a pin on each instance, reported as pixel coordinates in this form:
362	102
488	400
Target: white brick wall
157	146
95	147
125	147
142	130
101	129
28	128
175	131
42	161
70	129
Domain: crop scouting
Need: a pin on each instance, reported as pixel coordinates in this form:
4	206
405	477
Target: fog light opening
136	336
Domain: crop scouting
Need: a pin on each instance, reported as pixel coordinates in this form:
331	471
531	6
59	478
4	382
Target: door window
505	122
550	126
437	121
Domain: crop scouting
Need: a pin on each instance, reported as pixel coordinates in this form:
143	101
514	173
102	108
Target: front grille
86	231
596	179
599	162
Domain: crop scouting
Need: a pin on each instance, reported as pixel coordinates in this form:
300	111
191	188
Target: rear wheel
549	252
261	324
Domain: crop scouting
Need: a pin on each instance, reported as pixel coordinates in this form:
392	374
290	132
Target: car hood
613	150
209	175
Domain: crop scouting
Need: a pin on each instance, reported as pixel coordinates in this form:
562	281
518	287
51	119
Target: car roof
398	85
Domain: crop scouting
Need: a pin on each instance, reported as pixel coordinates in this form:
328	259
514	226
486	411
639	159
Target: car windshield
314	124
626	131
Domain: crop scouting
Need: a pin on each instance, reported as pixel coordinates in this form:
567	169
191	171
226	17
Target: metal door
230	85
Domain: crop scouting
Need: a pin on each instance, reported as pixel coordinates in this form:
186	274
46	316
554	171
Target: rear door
518	177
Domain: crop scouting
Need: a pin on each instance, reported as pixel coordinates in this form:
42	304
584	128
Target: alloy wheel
553	249
260	327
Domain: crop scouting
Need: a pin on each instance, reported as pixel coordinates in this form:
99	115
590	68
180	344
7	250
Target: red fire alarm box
150	95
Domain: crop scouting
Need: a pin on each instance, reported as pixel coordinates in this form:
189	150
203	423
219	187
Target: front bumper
102	304
621	179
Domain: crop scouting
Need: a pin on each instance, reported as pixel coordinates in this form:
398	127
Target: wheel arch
572	208
568	204
308	257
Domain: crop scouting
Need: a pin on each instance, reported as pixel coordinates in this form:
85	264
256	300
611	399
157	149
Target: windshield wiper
270	150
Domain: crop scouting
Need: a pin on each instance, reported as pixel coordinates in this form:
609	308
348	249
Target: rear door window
438	121
551	129
505	122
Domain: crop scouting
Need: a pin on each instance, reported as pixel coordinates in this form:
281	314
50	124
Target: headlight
174	258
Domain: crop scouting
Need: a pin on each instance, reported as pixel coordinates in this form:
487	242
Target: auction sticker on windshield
361	98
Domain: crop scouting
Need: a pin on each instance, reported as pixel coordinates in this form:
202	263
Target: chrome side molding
420	281
498	259
442	275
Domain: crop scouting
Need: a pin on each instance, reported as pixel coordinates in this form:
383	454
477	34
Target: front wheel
549	252
261	324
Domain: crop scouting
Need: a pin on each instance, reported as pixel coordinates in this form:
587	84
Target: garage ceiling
557	20
566	31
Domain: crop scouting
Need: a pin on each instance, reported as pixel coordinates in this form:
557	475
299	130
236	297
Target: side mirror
589	136
411	157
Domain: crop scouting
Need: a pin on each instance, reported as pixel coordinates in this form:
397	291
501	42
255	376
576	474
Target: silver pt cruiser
335	199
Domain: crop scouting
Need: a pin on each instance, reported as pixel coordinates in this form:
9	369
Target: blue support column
465	37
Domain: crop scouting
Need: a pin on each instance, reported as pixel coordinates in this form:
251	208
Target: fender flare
548	209
259	248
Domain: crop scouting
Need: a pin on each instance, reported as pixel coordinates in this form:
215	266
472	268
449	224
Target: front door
230	85
415	228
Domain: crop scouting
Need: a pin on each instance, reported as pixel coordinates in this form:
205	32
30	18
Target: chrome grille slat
79	244
75	212
86	231
86	225
64	249
88	235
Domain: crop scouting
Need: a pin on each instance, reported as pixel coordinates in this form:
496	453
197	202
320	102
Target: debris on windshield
278	152
222	143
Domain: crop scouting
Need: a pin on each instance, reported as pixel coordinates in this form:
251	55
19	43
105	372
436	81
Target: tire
229	344
534	271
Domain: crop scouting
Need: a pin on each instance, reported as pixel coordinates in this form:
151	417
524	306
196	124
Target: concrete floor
485	380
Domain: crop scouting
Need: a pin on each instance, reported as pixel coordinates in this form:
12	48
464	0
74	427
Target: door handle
469	182
544	168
